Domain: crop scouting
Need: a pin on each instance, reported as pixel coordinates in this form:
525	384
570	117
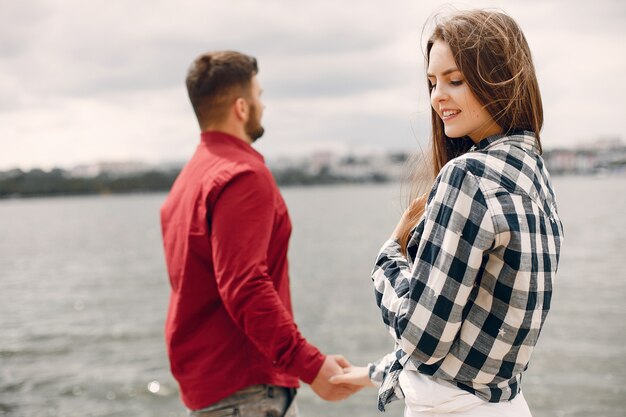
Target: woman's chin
454	135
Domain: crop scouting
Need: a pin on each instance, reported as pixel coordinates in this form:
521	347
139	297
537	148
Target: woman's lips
448	114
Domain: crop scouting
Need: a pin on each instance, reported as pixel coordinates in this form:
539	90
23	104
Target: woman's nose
437	95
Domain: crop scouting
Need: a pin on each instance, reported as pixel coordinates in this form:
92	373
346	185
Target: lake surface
83	297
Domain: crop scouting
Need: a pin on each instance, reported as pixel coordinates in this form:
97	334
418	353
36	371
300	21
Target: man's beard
253	126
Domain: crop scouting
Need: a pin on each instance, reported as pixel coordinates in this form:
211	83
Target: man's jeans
254	401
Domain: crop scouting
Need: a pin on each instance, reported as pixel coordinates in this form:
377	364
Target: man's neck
235	131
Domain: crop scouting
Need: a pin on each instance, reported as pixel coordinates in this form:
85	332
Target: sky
103	80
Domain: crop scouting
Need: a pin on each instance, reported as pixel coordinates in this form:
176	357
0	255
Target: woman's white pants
424	397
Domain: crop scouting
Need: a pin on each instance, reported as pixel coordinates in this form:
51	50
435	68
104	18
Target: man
232	341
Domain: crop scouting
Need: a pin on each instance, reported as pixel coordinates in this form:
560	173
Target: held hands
355	375
336	391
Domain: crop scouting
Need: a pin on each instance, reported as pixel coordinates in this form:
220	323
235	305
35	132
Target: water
83	296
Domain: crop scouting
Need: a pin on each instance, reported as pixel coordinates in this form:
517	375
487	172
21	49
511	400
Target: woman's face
453	100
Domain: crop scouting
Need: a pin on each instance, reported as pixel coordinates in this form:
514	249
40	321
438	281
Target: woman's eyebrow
446	72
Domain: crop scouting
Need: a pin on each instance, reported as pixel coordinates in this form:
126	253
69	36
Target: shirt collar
216	138
524	138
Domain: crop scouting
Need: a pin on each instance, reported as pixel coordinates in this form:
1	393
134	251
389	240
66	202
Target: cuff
374	374
307	363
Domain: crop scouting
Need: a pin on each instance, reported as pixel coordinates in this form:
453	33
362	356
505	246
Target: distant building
321	161
113	169
602	155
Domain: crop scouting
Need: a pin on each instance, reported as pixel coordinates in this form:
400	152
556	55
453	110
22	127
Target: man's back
226	231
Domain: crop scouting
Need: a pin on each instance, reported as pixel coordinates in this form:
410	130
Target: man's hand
333	365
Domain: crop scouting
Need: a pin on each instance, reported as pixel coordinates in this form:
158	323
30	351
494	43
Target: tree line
58	182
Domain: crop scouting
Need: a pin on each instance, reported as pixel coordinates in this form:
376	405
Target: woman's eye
456	82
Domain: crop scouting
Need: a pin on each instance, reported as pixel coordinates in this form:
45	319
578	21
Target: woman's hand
355	375
410	216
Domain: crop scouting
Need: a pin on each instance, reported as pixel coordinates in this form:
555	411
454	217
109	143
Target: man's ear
241	108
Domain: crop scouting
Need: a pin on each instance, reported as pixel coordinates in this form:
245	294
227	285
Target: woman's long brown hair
491	52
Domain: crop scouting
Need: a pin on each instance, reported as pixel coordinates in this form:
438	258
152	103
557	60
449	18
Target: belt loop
270	391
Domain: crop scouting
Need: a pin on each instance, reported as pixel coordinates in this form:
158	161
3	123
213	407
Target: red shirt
226	231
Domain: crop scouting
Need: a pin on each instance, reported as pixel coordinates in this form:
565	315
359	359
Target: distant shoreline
319	169
133	184
57	183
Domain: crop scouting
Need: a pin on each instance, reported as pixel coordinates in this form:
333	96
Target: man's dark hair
215	79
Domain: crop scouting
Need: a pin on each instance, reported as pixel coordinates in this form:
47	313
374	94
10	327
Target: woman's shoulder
474	163
462	172
490	170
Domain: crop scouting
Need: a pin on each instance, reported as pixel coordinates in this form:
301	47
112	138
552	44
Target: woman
464	284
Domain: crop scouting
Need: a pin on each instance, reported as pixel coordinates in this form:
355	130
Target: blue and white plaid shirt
468	302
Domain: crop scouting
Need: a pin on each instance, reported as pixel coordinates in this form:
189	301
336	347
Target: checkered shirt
467	303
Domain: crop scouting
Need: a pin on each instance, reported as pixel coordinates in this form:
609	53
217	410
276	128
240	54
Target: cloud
86	81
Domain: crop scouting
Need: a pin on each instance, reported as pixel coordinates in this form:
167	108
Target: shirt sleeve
378	370
242	220
422	302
